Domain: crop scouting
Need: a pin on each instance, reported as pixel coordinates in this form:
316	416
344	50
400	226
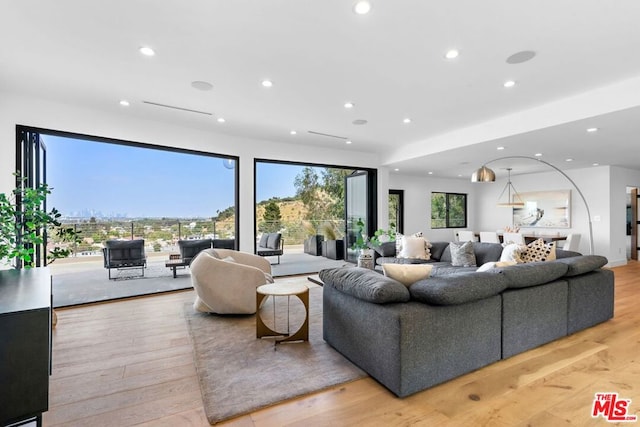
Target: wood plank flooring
130	363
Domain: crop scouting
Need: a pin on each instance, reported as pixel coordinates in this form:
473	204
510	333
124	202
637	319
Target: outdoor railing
163	234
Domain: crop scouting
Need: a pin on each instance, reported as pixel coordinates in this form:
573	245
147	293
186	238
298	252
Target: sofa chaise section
408	346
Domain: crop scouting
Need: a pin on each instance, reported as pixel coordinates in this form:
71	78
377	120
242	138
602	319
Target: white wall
603	187
594	183
119	124
417	202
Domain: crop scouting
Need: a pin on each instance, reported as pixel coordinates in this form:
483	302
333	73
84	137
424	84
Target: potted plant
361	245
332	247
313	242
24	223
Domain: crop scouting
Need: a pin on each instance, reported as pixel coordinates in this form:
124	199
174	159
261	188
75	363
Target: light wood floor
130	363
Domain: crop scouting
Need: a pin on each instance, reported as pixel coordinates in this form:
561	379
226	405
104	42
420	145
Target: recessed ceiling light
362	7
348	141
568	160
349	105
520	57
509	83
406	120
451	54
596	164
293	132
200	85
147	51
499	148
397	170
430	173
538	154
592	130
221	120
267	83
124	103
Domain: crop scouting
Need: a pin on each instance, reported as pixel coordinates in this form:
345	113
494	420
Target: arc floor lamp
484	174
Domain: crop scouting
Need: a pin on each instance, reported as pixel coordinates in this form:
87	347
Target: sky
141	182
136	182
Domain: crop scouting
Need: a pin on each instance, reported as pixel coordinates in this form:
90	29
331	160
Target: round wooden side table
275	290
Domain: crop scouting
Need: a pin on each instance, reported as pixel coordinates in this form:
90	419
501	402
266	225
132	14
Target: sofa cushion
394	260
437	250
561	253
365	284
263	240
407	274
538	250
458	288
533	273
462	254
582	264
273	241
386	249
487	252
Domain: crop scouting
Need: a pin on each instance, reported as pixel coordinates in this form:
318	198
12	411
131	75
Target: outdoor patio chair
192	247
271	244
124	254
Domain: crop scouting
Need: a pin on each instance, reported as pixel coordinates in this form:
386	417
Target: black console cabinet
25	344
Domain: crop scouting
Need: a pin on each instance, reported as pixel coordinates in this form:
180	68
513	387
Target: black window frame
448	224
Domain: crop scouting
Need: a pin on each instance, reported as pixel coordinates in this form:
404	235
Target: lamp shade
484	174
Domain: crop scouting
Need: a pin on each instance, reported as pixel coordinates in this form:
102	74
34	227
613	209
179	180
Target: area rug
239	373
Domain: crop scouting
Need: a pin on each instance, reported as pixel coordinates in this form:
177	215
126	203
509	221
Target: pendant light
516	201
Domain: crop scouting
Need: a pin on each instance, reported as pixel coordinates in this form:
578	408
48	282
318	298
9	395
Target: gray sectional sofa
459	320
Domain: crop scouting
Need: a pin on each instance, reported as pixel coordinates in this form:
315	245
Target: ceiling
319	55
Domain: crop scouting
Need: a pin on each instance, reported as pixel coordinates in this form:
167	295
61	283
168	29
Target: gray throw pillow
263	240
462	254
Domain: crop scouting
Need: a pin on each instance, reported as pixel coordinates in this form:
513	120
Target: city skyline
123	181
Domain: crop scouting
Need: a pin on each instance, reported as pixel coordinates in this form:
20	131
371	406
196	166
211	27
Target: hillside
290	210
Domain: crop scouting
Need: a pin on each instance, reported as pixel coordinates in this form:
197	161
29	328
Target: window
396	209
448	210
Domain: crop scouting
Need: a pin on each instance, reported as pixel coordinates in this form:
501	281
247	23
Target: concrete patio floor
84	280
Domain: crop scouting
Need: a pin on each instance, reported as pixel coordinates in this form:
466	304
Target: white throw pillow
413	247
407	274
513	252
493	264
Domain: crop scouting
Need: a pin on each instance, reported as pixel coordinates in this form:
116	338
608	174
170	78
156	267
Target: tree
271	218
333	185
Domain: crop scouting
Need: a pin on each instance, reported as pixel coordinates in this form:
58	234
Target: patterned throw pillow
539	251
462	254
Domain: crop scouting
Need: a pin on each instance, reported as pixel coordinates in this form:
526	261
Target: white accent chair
225	280
489	237
572	243
517	238
466	236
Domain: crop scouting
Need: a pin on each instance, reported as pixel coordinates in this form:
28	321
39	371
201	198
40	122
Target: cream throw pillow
407	274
